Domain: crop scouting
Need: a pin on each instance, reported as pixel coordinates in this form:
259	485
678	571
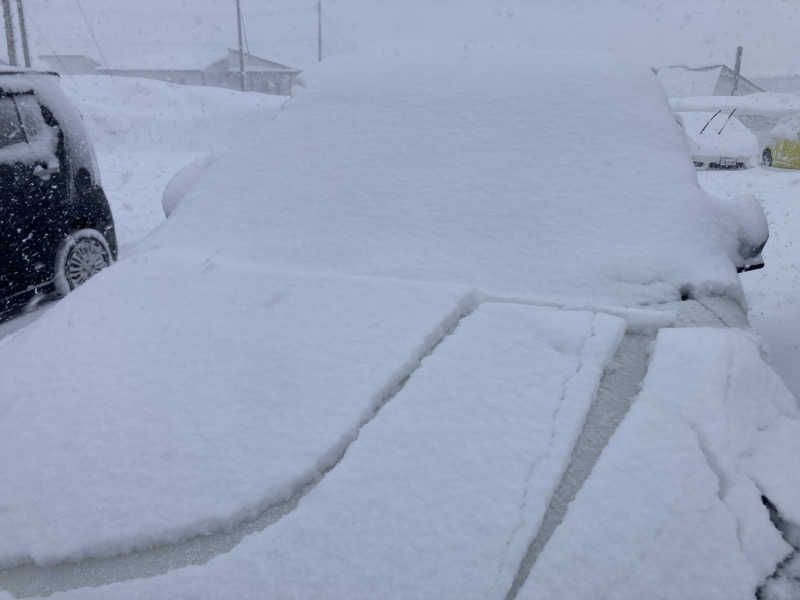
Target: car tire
81	255
766	158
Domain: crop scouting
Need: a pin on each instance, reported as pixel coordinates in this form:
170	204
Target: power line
91	32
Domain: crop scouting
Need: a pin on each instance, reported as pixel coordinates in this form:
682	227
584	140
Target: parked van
56	228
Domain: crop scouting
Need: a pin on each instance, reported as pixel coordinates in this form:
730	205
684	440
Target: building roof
682	81
171	57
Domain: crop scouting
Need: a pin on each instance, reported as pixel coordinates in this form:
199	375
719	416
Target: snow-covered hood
472	167
718	135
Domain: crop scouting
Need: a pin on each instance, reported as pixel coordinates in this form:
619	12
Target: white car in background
718	140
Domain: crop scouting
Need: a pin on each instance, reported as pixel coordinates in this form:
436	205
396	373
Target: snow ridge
523	506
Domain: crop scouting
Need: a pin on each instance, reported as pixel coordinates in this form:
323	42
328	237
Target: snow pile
747	221
722	136
469	177
200	391
674	504
773	294
442	491
145	131
787	128
182	182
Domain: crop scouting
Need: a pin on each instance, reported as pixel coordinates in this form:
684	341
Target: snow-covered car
783	147
403	349
56	228
718	140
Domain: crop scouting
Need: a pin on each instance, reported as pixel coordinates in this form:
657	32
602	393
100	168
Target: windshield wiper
730	116
709	121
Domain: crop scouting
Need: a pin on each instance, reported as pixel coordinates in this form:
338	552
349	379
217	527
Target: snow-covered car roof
473	176
723	135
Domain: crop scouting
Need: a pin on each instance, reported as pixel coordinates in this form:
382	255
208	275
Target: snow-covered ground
145	131
773	293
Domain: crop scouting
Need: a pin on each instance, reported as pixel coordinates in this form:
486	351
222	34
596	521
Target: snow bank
191	393
182	183
145	131
674	504
787	128
474	177
441	493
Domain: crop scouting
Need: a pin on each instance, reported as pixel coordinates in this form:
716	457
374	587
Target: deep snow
471	177
193	419
441	492
673	508
146	131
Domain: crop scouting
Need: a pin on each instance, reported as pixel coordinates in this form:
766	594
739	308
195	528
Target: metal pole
241	46
12	48
737	70
319	30
23	32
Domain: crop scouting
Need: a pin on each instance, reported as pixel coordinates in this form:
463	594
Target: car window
10	128
31	113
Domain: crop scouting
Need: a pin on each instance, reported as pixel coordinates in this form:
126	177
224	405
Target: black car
56	228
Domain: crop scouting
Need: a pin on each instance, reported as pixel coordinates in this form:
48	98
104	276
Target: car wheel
766	158
81	255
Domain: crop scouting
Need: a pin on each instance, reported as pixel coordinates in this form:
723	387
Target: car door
32	185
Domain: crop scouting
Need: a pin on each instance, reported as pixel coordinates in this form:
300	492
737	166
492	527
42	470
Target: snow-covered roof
683	81
680	81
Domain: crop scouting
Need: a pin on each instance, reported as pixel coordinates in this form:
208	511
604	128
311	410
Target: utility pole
12	48
23	33
319	30
241	45
737	70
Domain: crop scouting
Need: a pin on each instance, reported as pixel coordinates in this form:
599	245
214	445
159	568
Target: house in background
69	64
195	68
713	80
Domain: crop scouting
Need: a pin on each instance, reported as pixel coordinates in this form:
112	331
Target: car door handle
44	171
